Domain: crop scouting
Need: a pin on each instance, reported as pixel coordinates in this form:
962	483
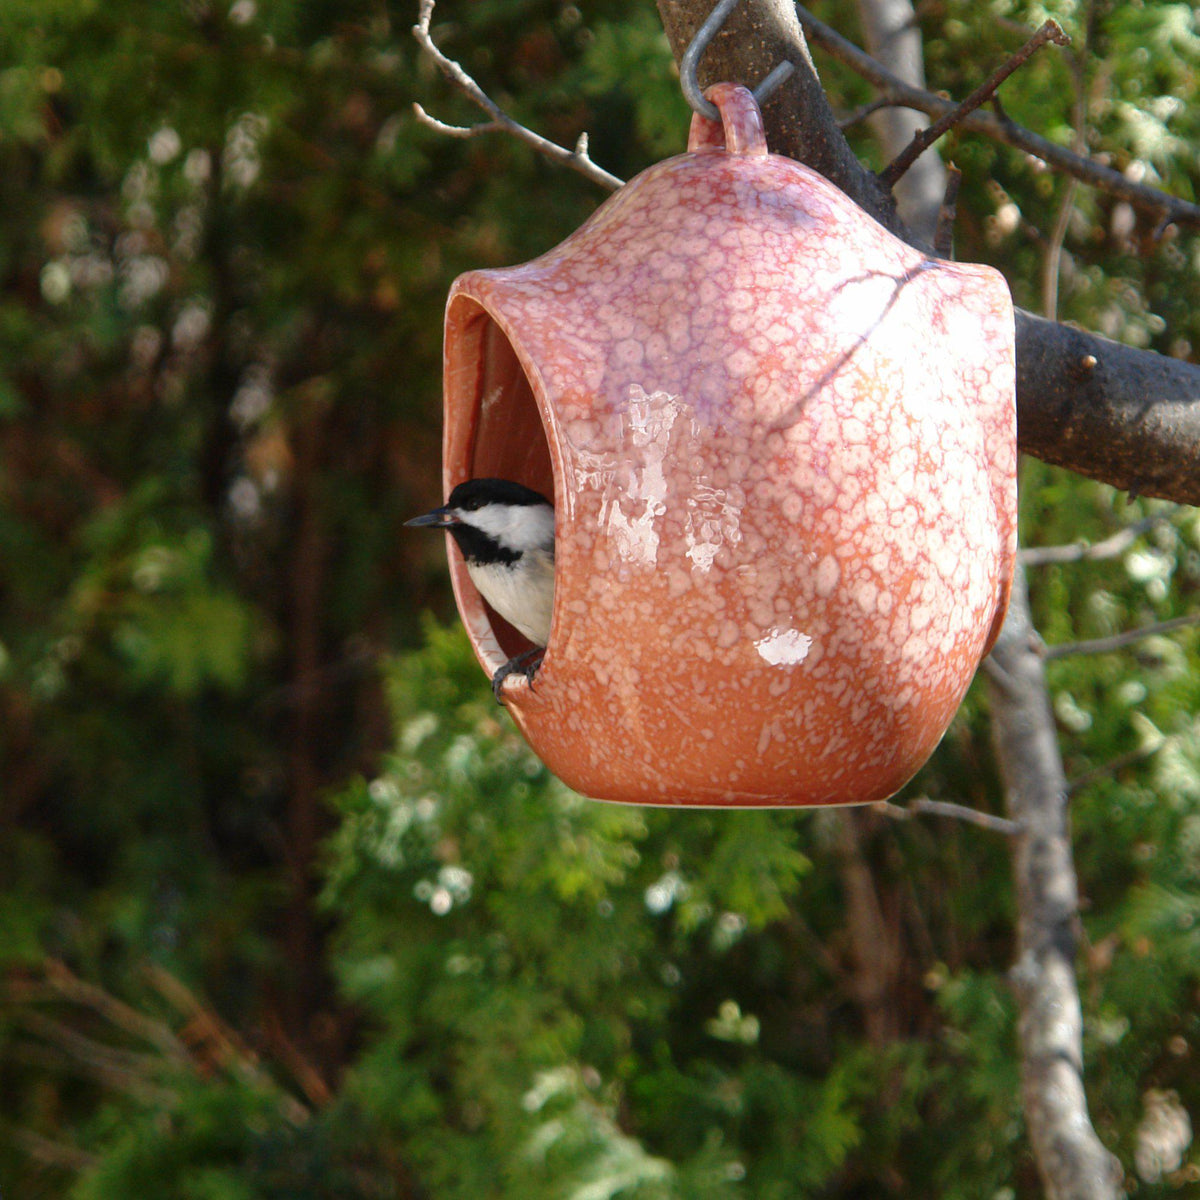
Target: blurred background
287	910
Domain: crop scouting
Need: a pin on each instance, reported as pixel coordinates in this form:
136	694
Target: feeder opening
502	436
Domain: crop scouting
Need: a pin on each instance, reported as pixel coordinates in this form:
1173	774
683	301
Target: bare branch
117	1079
204	1027
1107	645
1110	547
1074	1163
1130	418
997	675
943	234
923	805
864	111
1050	31
456	131
892	35
576	159
1052	265
1108	769
81	1046
69	986
1001	128
46	1150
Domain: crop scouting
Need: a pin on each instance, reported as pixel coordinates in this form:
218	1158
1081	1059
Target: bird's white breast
522	593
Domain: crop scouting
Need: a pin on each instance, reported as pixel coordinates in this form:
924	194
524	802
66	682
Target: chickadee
506	535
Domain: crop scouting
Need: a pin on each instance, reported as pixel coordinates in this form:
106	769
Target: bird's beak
440	518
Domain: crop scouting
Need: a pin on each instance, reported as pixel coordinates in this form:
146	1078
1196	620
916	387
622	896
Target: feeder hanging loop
695	52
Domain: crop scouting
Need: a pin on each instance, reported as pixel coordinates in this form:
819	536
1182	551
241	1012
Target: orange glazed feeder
781	446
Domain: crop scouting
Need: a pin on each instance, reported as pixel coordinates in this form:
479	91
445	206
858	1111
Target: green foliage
545	938
226	247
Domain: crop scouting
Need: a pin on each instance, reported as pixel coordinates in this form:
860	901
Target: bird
506	534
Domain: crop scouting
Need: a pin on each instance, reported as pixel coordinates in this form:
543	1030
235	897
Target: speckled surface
782	447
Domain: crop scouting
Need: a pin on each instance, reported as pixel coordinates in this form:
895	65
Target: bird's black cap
475	494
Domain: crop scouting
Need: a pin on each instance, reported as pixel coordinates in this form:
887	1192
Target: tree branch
923	805
1109	769
943	230
1074	1163
46	1150
576	159
1127	417
1110	547
1118	641
1050	31
63	982
456	131
892	36
1130	418
1000	128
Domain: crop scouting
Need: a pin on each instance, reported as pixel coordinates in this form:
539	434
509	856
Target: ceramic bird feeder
781	446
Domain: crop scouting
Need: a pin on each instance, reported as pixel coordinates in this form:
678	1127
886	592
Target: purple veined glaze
782	449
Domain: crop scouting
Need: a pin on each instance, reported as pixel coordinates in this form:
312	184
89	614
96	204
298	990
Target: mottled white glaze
783	452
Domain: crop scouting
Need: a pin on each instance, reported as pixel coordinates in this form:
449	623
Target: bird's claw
526	664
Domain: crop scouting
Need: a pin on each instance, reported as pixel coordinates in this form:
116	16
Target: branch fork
500	122
1050	31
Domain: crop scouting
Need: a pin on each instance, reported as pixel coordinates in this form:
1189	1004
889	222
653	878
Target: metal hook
695	51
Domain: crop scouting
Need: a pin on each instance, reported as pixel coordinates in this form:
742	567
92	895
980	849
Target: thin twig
46	1150
1050	31
863	111
997	674
577	159
81	1046
1073	1162
127	1083
924	806
1001	128
304	1072
222	1045
204	1027
1108	769
1107	645
943	234
68	985
456	131
1052	263
1111	547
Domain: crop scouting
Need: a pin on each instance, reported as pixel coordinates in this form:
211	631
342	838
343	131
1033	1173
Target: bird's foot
526	664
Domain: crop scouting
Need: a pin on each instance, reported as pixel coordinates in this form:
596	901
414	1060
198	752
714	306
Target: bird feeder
781	446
